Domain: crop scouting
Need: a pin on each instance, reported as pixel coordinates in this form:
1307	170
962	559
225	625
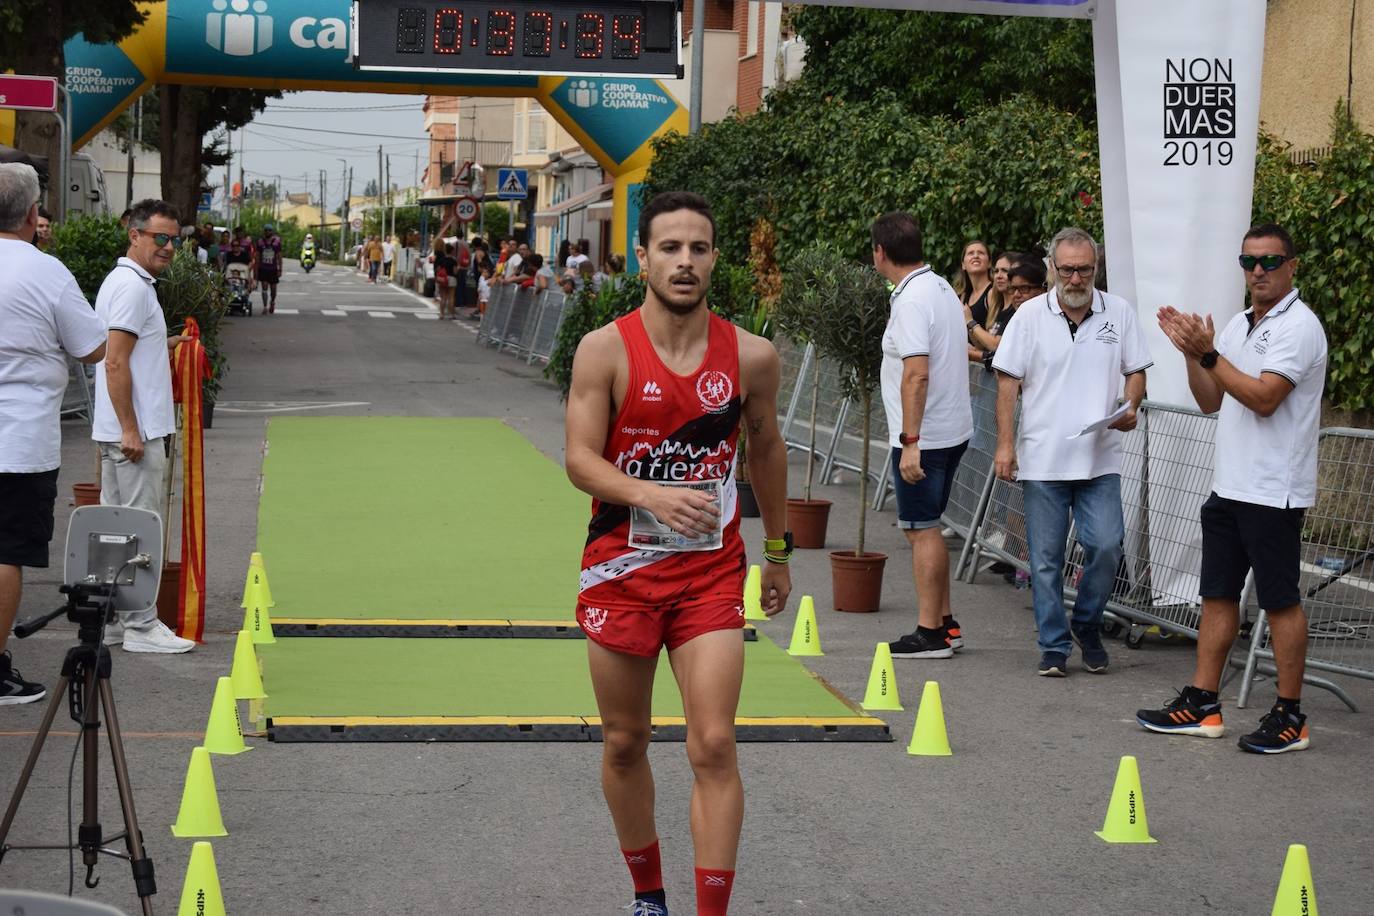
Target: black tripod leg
140	863
58	693
89	836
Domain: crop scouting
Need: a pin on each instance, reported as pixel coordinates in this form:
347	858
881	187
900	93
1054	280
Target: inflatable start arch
304	44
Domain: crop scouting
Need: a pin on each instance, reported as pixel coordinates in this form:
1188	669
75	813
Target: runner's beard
1074	297
678	307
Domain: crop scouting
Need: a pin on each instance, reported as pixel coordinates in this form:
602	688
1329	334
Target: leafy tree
89	245
496	218
942	64
32	35
188	114
370	190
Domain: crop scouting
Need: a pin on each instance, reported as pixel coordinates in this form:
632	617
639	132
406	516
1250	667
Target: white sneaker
114	633
155	638
948	532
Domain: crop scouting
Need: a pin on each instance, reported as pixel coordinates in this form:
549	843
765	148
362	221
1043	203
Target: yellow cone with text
929	738
1125	821
882	685
224	733
199	815
256	583
806	640
1296	896
200	894
753	595
258	622
245	677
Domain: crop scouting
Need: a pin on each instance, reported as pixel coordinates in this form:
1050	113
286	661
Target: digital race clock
520	37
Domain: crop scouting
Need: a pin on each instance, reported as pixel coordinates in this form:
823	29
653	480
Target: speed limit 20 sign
465	209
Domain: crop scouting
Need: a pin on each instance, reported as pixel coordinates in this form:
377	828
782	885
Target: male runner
652	427
268	250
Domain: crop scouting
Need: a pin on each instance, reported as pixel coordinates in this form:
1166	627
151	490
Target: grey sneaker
155	639
114	633
1089	639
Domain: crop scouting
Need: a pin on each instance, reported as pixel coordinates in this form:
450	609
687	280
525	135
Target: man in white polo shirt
929	420
1067	352
43	320
1265	374
133	397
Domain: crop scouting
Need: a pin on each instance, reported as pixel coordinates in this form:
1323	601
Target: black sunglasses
159	238
1270	262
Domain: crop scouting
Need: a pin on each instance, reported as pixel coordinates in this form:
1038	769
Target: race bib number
269	256
648	533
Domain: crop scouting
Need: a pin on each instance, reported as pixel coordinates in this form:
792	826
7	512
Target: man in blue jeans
929	420
1067	352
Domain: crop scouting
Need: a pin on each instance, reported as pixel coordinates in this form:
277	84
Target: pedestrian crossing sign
512	184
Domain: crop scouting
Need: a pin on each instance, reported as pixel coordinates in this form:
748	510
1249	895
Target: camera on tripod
113	562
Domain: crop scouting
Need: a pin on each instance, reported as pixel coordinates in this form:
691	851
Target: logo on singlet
651	392
714	389
593	619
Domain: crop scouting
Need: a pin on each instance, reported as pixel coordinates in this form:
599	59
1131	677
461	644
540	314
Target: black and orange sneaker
1280	730
922	643
955	634
1185	714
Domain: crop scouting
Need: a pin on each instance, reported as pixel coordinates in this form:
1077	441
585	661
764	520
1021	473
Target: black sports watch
1209	360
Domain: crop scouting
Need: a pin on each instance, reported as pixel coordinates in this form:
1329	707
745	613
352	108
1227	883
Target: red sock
713	891
645	868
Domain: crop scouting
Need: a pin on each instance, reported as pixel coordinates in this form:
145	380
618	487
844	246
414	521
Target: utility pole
343	208
321	207
381	177
228	160
389	204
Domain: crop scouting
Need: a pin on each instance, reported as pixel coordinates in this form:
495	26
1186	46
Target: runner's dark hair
671	202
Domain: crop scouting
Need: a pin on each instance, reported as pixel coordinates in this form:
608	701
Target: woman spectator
1026	280
543	273
974	282
996	298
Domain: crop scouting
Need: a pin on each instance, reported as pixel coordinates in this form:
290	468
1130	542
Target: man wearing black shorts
1263	375
929	419
43	317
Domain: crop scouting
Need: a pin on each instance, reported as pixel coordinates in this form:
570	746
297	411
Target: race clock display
519	37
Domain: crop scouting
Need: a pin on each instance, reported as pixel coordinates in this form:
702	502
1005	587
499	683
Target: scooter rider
308	252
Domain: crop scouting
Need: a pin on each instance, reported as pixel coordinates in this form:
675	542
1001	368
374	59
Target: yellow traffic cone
199	814
200	894
753	595
246	678
258	622
1125	821
1296	896
929	738
256	584
882	685
806	640
224	734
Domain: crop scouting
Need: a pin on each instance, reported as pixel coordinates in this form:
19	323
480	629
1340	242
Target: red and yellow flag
190	367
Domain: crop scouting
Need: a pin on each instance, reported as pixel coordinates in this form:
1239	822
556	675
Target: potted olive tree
850	333
809	290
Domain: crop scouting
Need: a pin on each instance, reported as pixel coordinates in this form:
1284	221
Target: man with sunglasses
1263	376
1067	353
133	397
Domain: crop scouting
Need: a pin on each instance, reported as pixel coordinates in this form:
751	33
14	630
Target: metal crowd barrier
1166	476
77	399
497	315
546	325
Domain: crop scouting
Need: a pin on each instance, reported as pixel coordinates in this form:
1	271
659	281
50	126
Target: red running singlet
670	428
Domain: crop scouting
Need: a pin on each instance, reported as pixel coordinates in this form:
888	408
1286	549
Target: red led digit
627	36
476	30
500	33
448	30
591	38
538	34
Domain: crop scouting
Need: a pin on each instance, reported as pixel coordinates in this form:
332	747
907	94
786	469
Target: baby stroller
240	302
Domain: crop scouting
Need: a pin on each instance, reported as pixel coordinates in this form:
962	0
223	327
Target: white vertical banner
1190	87
1181	119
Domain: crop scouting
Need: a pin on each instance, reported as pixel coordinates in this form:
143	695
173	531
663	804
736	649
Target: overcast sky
303	132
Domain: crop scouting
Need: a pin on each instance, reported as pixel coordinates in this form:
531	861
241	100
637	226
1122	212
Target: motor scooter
308	259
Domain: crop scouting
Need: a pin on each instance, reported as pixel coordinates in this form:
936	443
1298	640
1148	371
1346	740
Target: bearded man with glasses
1263	376
1073	354
133	397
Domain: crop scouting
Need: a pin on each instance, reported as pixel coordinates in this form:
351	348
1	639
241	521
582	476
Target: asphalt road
1004	826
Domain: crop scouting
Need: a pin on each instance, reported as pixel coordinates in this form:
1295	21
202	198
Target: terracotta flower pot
807	520
169	594
857	580
86	494
748	505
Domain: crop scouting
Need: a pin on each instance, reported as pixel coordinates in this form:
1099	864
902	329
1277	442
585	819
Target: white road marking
426	316
381	315
288	311
282	406
334	313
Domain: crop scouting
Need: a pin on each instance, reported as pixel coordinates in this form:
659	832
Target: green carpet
413	518
497	677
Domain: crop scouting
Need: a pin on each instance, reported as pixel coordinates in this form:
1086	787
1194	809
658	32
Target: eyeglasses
161	239
1025	290
1270	262
1066	271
